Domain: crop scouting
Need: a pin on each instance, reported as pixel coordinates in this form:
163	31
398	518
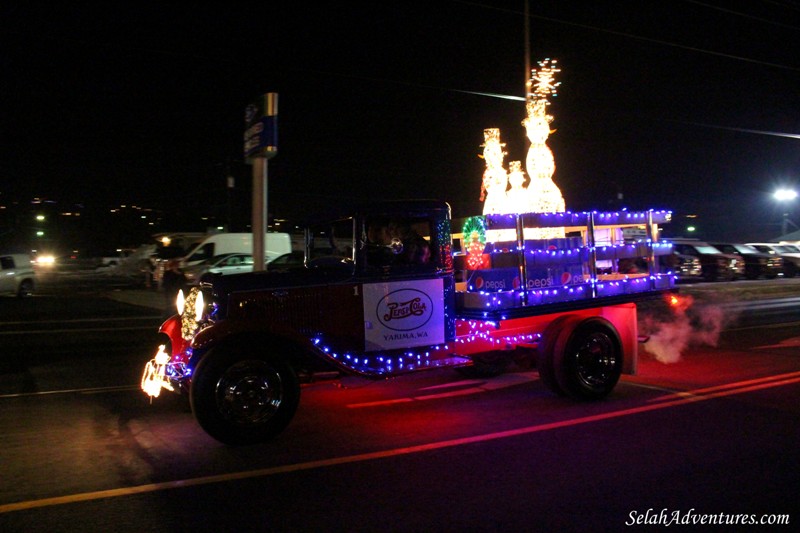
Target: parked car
756	264
222	264
716	265
17	276
293	259
791	258
684	267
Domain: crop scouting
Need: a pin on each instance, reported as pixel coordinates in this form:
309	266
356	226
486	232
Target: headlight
199	306
180	302
45	261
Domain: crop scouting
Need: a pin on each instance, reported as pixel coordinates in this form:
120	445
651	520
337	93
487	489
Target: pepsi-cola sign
404	310
403	314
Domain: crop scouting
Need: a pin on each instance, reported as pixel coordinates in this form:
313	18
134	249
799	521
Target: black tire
240	397
25	288
545	357
588	358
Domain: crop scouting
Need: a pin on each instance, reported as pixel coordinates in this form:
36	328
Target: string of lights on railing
505	299
575	218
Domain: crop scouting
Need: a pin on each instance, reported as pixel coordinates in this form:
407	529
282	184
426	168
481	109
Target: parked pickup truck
17	276
382	292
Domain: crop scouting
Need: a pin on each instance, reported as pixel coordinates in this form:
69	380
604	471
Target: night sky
683	105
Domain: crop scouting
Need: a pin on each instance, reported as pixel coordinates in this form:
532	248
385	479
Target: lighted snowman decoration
495	178
544	194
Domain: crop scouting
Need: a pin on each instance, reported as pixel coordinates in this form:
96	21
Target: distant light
690	229
165	240
45	260
783	195
40	234
40	217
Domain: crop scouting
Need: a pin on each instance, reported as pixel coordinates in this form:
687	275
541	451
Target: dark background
681	105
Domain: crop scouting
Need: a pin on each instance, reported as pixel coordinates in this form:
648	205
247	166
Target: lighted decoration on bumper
155	374
160	373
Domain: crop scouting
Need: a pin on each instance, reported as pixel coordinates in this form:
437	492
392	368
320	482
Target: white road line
786	343
78	330
500	382
73	320
93	390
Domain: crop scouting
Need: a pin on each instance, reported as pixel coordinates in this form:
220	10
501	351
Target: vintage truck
388	290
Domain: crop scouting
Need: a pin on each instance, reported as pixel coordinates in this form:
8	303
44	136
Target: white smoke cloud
682	326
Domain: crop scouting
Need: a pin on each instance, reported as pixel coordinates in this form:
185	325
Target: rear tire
240	397
588	358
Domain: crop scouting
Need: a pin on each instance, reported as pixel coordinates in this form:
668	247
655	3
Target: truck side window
398	243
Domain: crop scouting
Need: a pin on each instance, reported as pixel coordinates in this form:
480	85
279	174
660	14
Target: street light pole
784	196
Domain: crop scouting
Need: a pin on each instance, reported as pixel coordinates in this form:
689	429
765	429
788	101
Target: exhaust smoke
680	324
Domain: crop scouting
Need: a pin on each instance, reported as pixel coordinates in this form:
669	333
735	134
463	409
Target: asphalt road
711	436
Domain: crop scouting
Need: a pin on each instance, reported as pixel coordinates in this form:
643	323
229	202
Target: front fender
172	329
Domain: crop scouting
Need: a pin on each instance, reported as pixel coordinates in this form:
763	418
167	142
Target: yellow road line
371	456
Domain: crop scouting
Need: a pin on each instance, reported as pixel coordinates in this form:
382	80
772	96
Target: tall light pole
784	196
261	144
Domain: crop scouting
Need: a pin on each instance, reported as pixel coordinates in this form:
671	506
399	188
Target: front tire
240	397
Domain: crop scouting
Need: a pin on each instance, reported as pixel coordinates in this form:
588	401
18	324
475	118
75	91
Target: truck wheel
587	358
545	356
241	398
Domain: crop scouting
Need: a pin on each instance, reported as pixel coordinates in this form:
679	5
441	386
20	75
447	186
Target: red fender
172	329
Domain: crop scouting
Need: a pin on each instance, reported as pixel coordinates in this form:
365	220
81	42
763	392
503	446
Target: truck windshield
331	243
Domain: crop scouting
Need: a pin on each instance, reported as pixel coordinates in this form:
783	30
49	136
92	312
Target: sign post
260	144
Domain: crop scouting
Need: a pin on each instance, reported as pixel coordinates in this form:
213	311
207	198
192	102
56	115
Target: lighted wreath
474	232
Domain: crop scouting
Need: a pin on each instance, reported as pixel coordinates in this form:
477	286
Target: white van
275	244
